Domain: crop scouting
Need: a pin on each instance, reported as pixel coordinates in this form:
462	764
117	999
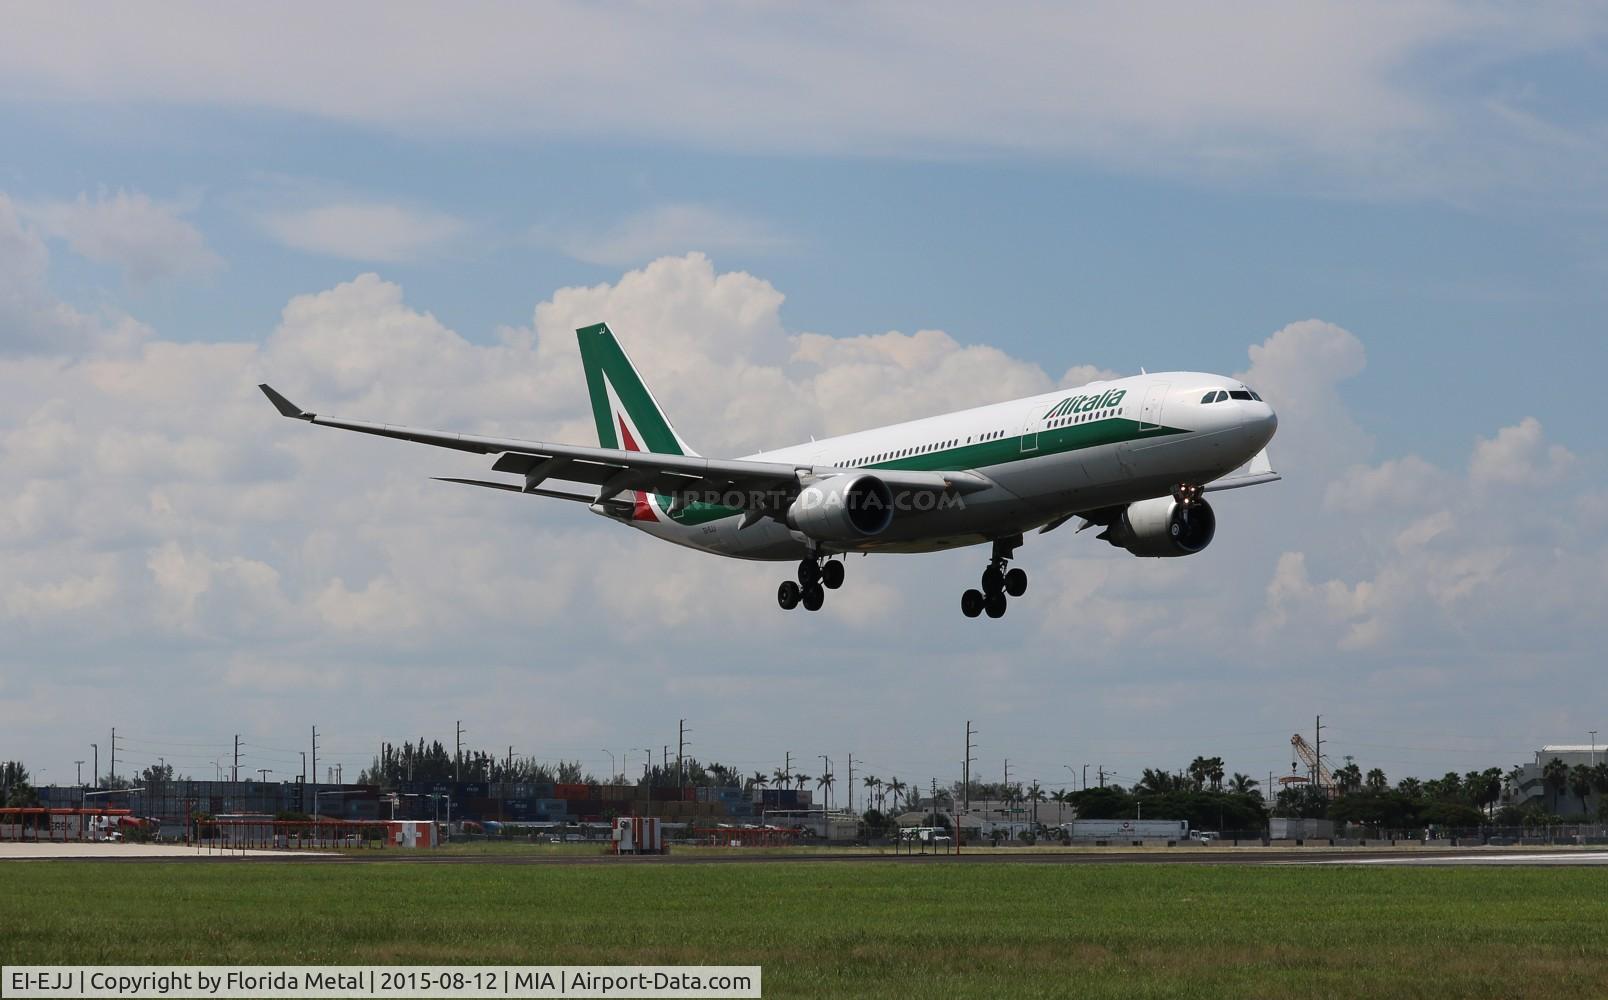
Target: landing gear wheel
993	580
971	603
994	604
809	571
814	597
787	595
832	575
1016	582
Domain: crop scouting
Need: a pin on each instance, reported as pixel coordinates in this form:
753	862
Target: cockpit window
1210	397
1239	394
1255	396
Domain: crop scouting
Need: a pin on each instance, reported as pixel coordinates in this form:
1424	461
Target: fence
239	834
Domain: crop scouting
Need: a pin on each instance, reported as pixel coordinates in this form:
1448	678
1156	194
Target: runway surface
1414	856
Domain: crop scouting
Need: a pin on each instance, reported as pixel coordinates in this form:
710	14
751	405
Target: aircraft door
1150	410
1030	429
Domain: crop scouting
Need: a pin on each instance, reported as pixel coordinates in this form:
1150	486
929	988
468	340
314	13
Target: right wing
1257	471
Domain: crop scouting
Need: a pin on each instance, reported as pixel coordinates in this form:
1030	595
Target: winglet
283	405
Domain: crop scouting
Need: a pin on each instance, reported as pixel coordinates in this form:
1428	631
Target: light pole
1593	747
1073	773
96	776
612	771
647	765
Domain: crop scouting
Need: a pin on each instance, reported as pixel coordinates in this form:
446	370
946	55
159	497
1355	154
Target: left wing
741	483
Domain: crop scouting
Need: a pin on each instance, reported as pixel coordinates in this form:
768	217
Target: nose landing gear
816	575
998	584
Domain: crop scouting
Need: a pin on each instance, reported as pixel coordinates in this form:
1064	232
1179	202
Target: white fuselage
1043	457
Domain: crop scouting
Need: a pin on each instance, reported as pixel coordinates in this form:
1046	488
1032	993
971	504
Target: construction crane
1309	757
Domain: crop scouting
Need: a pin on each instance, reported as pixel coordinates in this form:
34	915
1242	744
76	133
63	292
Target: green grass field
880	929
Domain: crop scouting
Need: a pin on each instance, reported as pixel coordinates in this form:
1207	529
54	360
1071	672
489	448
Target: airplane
1133	456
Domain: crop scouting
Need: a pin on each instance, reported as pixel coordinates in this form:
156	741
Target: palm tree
1035	794
870	782
1490	789
1155	781
1061	797
1349	778
1241	784
1376	780
801	780
824	783
897	787
1555	775
1514	778
780	776
1214	772
759	779
1580	784
1198	770
1410	787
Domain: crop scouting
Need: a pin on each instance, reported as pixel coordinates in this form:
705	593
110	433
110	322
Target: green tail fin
627	415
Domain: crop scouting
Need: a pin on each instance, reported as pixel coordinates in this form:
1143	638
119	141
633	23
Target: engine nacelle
844	508
1163	527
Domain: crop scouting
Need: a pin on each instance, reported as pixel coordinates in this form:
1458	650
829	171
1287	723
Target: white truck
1124	831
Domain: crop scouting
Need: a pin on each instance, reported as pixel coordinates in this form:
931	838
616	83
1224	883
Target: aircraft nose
1259	424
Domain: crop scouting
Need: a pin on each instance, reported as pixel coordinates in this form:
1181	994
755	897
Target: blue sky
1051	189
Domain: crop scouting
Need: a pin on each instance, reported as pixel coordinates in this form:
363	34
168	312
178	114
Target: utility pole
114	753
80	765
1007	789
1100	769
234	770
304	768
339	780
457	757
264	772
666	766
787	765
681	752
315	772
95	777
1317	764
965	768
510	758
851	784
1593	733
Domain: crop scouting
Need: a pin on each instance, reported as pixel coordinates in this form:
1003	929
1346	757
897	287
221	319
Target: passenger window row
1081	418
888	456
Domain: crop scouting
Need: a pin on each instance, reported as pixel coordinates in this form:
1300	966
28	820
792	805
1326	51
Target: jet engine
1163	527
843	508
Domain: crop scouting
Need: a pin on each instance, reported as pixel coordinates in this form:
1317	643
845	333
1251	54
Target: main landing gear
816	575
999	583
